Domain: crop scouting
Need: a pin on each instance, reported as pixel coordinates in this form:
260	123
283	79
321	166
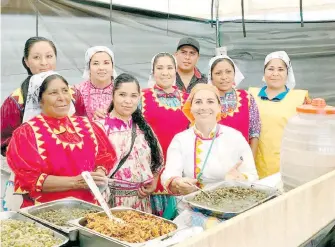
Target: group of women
142	147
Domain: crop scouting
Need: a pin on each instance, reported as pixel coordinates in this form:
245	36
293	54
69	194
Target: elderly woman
277	102
39	56
208	152
238	109
49	152
161	107
139	155
99	74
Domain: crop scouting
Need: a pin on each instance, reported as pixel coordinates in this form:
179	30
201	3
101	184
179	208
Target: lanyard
207	155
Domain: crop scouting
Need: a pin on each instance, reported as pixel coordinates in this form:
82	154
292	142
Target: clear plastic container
308	146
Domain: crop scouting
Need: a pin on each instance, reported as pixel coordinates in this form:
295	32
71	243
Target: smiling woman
57	147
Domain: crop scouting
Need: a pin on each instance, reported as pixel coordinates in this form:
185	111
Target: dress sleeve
106	156
79	104
25	160
10	120
174	162
247	167
254	119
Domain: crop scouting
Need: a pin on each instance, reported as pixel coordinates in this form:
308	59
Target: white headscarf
238	74
151	81
32	107
89	54
290	83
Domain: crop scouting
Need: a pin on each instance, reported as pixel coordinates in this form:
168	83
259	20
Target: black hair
27	47
163	54
46	82
138	119
220	60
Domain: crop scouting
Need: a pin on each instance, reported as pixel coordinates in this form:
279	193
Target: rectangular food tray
72	231
17	216
83	230
271	193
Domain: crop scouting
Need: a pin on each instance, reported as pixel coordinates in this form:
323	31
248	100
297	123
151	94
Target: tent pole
217	31
36	11
110	21
301	15
243	23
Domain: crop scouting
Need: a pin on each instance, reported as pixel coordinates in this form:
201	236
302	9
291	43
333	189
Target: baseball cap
189	41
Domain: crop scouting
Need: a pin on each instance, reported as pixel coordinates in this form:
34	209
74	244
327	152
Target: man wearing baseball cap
187	55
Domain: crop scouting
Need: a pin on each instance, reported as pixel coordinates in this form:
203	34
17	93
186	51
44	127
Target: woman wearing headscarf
39	55
238	108
49	152
139	156
277	102
161	107
207	152
99	75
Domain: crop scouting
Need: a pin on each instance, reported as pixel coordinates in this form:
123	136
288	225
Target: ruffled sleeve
10	120
25	161
79	104
106	156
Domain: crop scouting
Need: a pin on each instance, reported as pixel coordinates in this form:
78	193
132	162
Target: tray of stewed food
56	214
136	228
229	198
19	230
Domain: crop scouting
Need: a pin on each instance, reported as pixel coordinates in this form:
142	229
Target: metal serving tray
271	193
89	236
17	216
71	232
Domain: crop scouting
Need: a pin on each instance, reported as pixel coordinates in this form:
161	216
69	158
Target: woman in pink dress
139	156
99	75
238	108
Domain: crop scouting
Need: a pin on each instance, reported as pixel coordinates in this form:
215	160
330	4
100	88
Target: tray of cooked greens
57	214
229	198
19	230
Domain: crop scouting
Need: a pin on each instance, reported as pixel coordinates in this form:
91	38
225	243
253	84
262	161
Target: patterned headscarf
188	104
88	56
290	83
238	74
151	81
32	107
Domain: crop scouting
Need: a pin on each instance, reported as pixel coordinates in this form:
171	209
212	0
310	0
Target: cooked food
138	227
61	216
16	233
230	199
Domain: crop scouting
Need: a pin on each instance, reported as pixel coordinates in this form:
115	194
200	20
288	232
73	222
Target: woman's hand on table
184	186
99	177
234	174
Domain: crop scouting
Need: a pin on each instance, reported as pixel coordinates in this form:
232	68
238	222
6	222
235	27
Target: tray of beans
56	214
136	228
19	230
229	198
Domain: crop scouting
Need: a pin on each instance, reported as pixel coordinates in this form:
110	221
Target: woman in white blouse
207	152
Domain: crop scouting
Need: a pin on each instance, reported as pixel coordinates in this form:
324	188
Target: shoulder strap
133	137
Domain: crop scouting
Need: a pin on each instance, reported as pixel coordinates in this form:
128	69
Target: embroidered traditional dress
95	98
136	169
188	150
12	111
47	146
239	111
163	113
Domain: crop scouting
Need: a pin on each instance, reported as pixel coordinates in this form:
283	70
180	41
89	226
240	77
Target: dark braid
138	119
29	43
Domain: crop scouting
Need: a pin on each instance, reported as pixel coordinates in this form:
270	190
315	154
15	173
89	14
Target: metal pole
36	12
301	15
243	22
110	21
217	32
